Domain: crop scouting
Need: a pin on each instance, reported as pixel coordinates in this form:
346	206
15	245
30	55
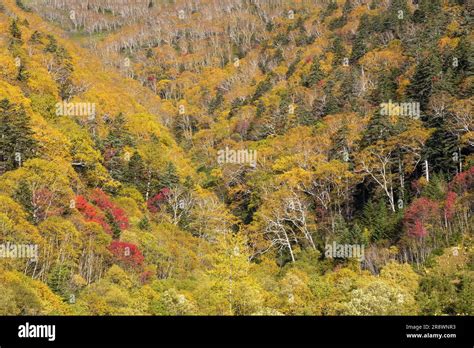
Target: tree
127	254
297	297
169	177
15	33
339	51
91	213
115	294
28	297
381	298
420	217
173	303
397	16
23	73
116	216
286	223
155	203
380	223
59	279
60	257
379	128
231	289
421	84
17	144
359	46
446	287
47	191
104	212
135	174
314	76
376	162
114	145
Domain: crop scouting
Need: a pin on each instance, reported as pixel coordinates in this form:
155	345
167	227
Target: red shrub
418	229
120	218
463	182
91	213
127	254
155	202
419	214
100	199
450	205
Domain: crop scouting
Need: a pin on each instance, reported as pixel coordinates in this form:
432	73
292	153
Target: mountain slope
171	158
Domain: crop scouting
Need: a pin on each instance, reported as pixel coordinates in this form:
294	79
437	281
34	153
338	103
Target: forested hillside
222	157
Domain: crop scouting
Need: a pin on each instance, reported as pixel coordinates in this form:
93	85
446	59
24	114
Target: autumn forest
236	157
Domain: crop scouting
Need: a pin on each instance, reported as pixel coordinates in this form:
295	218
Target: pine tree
23	74
59	279
135	173
292	68
260	109
24	196
16	137
116	231
144	224
346	9
216	102
314	76
464	57
421	85
119	136
332	6
169	177
113	147
340	147
342	229
359	47
386	87
447	82
15	33
398	15
379	128
36	37
21	5
52	45
263	87
378	219
427	11
439	151
430	7
304	116
338	50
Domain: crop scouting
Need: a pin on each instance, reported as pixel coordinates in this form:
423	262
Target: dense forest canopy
236	157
